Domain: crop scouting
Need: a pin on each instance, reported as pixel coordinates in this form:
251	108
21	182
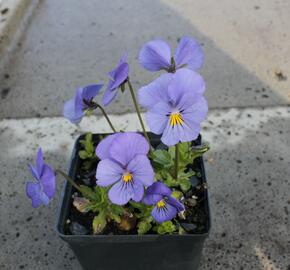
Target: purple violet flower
166	207
75	108
43	190
175	106
118	76
125	165
155	55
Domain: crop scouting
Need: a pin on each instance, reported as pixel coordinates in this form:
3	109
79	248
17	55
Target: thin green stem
71	181
138	110
176	161
106	116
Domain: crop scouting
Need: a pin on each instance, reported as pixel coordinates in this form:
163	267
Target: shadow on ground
71	43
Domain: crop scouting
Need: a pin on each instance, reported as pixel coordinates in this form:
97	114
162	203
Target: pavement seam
211	110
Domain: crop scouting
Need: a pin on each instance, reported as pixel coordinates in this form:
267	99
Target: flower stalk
176	165
70	180
106	116
138	110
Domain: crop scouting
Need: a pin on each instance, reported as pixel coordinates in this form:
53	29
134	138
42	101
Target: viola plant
129	182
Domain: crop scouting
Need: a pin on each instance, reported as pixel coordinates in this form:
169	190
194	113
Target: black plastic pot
118	252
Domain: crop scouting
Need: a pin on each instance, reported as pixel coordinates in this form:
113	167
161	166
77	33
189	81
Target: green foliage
88	151
177	194
164	164
88	147
181	230
99	222
165	227
162	159
199	150
143	213
99	203
144	226
183	179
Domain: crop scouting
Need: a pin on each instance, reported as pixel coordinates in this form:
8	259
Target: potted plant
137	199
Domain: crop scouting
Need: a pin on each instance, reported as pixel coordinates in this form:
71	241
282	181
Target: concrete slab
71	43
14	15
248	172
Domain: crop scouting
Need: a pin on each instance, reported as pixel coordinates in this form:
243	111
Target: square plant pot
124	252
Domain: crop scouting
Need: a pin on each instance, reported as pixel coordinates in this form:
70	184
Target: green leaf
177	194
199	150
143	227
115	212
184	180
162	157
88	192
185	175
88	151
184	185
165	227
83	154
99	223
169	180
144	211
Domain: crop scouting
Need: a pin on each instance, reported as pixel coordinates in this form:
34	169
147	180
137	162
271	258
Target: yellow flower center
176	118
160	204
127	177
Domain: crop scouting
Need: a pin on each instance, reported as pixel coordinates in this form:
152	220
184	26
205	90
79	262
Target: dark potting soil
196	217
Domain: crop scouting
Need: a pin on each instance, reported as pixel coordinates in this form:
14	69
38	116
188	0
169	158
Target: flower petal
169	136
108	172
34	172
117	76
151	199
39	162
187	132
180	133
142	170
196	113
157	117
127	145
72	109
189	53
155	55
34	192
185	81
159	188
138	192
48	181
122	192
154	92
175	203
102	149
109	95
91	91
123	59
164	214
121	74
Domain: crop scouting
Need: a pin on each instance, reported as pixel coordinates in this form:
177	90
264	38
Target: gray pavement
248	172
71	43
